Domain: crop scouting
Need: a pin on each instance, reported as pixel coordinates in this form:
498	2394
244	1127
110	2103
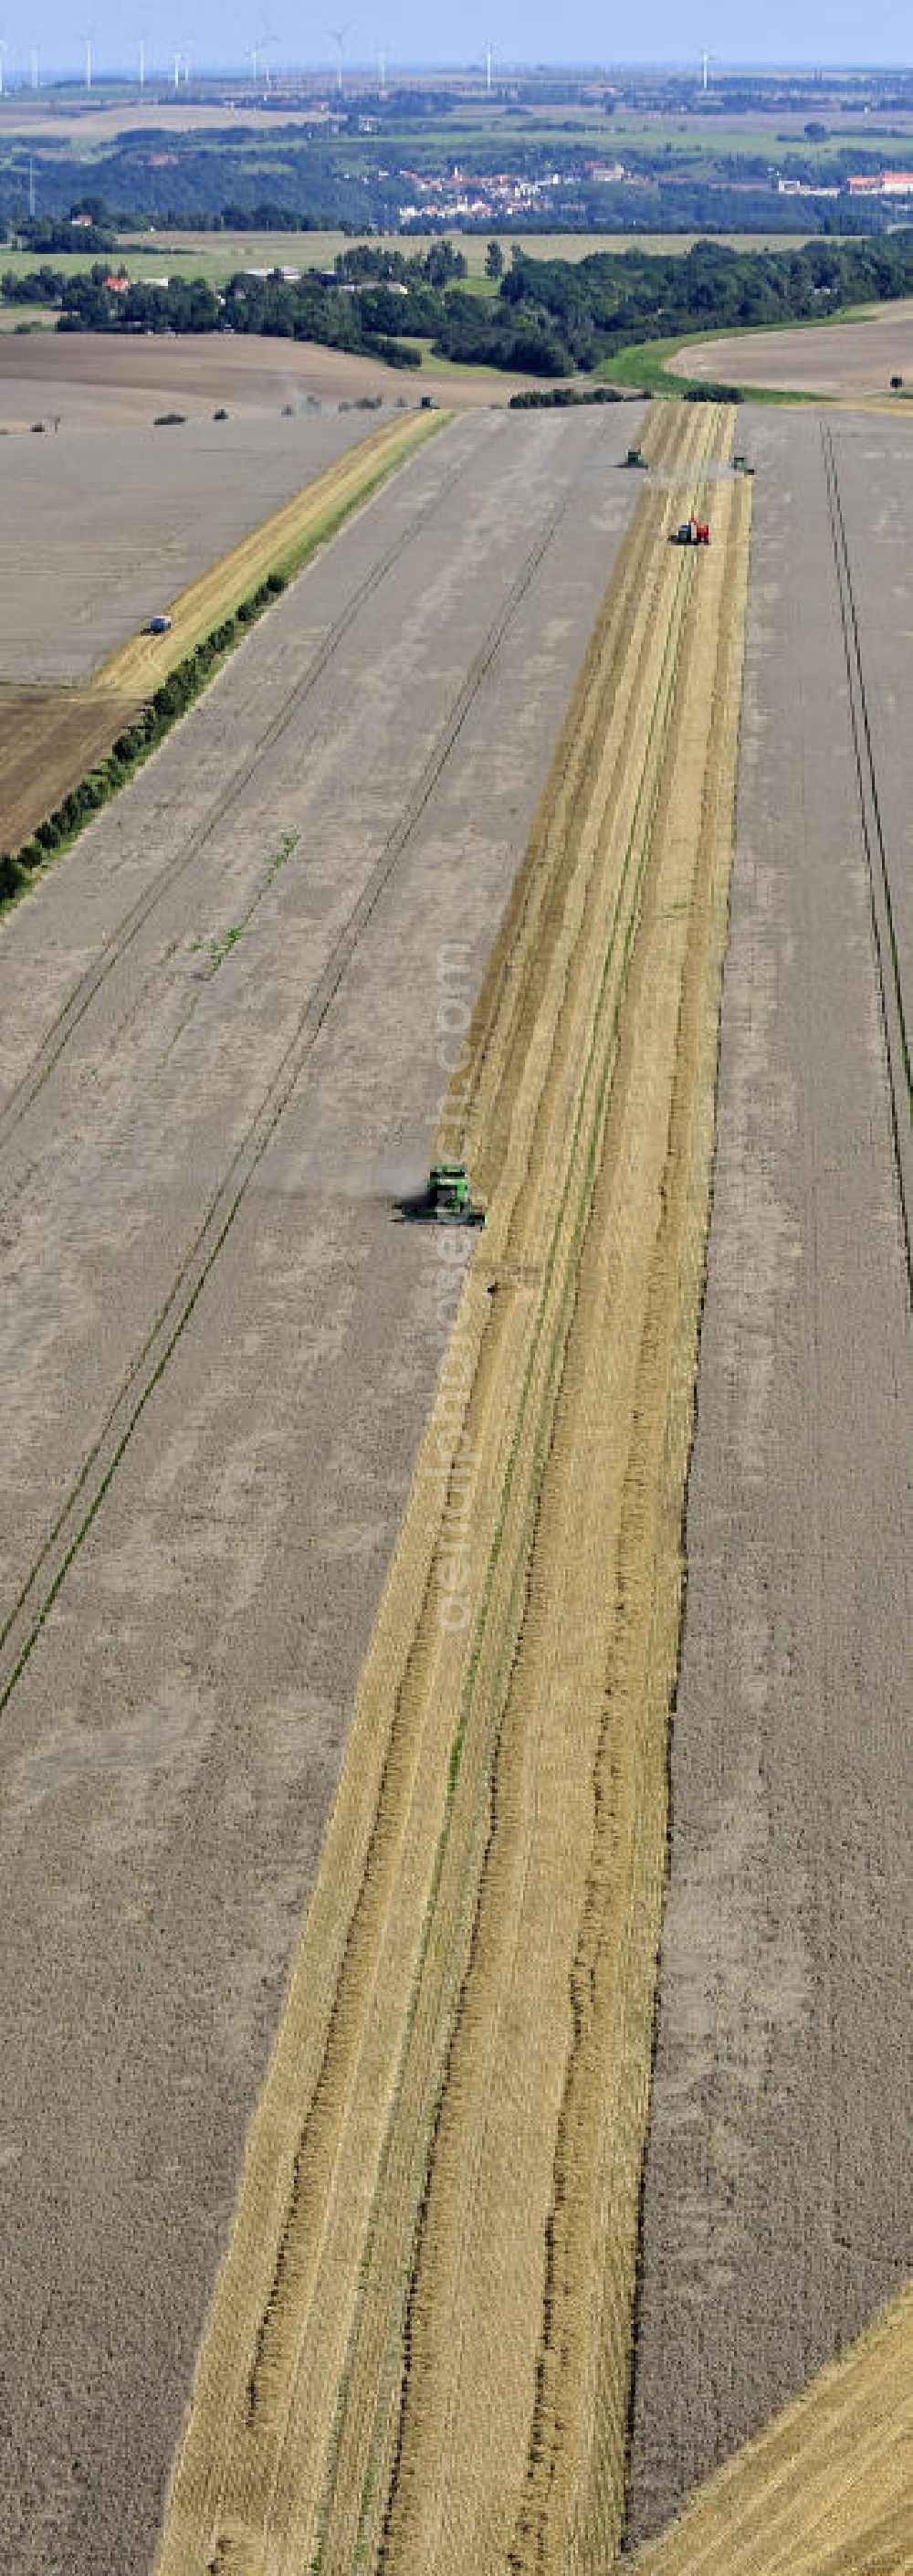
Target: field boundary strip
886	950
78	1001
282	545
454	2119
62	1542
825	2490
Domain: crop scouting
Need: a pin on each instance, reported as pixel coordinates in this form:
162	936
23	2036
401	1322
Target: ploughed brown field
49	738
836	358
90	380
319	2245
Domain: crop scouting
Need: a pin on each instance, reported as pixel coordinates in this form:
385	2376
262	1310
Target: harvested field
454	2118
279	544
48	740
99	531
777	2213
260	951
221	1341
825	2490
868	464
97	123
835	358
90	381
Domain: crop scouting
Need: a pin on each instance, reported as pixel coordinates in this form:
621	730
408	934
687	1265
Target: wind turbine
87	41
265	39
339	35
141	60
382	68
2	52
488	65
177	71
706	60
36	54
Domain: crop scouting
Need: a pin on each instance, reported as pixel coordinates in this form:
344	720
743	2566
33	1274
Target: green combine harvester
635	456
450	1197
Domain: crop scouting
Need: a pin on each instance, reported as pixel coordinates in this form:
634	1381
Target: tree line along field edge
549	317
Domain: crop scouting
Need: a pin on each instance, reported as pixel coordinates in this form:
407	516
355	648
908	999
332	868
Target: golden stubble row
419	2348
543	2120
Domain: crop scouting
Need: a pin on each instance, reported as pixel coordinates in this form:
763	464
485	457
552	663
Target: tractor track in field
49	1568
876	855
453	2123
18	1102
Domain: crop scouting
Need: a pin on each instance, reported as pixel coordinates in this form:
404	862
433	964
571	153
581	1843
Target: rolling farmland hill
848	360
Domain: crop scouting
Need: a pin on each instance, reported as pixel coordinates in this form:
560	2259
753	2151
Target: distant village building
500	193
804	188
885	183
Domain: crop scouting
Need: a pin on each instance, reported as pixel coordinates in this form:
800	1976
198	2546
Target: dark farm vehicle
449	1195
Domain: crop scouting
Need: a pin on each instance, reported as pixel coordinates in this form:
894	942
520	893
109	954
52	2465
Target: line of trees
367	323
548	318
441	265
599	305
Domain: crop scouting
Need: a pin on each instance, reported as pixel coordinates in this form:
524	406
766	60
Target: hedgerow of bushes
563	397
133	746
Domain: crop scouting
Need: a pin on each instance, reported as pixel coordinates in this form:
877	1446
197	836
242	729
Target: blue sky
654	31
